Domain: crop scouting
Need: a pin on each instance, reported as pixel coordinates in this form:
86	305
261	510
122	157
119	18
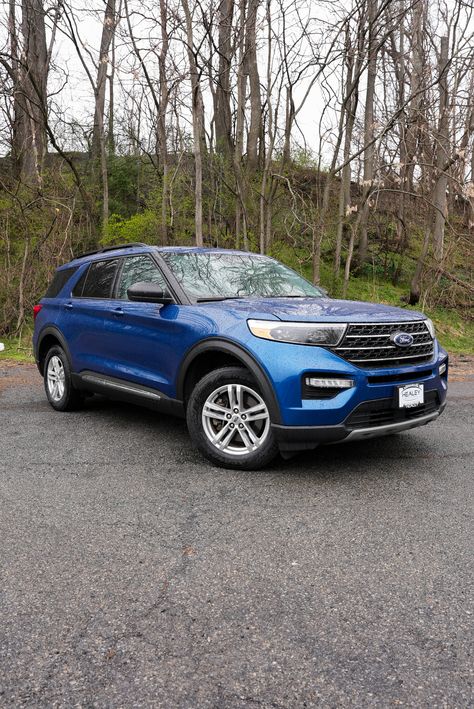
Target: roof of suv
128	249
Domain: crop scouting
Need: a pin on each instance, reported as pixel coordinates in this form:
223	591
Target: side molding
127	391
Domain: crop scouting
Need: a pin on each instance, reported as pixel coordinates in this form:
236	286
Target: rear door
91	318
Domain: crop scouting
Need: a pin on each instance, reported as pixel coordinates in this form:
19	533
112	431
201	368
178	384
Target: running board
124	390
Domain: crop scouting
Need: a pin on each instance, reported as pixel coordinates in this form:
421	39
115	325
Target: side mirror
145	292
324	291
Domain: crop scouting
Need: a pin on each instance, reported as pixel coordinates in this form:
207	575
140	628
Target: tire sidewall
226	375
67	398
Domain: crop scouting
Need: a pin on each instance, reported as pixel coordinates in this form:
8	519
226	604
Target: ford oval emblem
402	339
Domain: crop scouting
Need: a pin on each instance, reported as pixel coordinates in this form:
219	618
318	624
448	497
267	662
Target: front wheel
229	421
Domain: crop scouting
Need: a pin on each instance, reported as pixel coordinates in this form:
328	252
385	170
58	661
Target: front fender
237	350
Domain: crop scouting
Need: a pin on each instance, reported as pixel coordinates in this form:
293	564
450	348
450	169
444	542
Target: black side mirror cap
145	292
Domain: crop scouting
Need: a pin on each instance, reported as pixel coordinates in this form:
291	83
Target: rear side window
97	282
59	281
79	287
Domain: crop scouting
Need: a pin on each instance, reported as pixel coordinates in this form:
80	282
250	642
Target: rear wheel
229	421
58	382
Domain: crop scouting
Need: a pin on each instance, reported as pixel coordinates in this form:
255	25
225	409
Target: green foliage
304	158
123	172
139	227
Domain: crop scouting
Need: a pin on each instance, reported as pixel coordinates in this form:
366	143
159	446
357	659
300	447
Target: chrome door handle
69	306
118	312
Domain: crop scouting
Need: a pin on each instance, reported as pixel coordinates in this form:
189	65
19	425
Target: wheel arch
210	354
49	337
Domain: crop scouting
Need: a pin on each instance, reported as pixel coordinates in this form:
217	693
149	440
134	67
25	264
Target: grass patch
455	332
17	349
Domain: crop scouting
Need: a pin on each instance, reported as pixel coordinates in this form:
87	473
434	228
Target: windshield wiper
211	298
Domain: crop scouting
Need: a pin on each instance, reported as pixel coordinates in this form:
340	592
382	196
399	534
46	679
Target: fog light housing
325	383
442	369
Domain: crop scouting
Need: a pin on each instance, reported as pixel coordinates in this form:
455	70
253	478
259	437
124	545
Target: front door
147	336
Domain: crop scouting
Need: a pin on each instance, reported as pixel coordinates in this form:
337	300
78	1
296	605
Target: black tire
261	432
70	399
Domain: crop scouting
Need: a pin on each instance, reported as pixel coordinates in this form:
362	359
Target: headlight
430	326
298	332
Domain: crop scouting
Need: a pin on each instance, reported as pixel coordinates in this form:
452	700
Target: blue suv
255	357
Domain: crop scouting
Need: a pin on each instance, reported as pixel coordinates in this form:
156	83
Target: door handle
69	306
118	312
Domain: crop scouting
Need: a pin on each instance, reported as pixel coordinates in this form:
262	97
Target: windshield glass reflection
220	275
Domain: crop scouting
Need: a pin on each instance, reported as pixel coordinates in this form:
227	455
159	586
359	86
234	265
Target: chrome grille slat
349	336
368	344
361	361
383	347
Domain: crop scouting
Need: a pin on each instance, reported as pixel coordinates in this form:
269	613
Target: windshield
209	276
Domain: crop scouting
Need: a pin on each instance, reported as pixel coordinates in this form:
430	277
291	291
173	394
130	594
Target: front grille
369	345
382	412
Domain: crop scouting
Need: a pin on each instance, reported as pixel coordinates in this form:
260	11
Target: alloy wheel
235	419
56	380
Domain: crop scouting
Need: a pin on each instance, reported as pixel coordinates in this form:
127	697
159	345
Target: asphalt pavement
135	574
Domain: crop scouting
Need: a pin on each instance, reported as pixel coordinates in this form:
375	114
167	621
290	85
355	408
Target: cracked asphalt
135	574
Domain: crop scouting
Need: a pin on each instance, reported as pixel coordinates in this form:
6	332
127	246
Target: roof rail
110	248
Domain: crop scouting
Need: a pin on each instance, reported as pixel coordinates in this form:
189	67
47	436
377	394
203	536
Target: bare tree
28	68
197	119
369	127
222	111
251	68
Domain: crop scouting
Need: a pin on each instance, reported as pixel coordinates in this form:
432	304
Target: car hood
315	310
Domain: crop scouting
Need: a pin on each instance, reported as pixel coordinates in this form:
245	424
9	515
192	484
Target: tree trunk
255	129
440	179
111	130
442	154
108	29
369	131
415	119
353	60
222	112
289	119
163	107
98	145
198	123
241	213
30	70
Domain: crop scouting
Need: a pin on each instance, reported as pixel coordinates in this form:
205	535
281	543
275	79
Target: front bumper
296	438
307	422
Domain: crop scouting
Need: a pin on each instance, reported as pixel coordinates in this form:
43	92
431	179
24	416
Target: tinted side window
79	287
136	269
59	281
100	279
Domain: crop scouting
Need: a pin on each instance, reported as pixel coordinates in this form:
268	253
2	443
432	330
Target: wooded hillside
338	137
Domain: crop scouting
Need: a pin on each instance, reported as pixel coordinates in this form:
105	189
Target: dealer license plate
411	395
